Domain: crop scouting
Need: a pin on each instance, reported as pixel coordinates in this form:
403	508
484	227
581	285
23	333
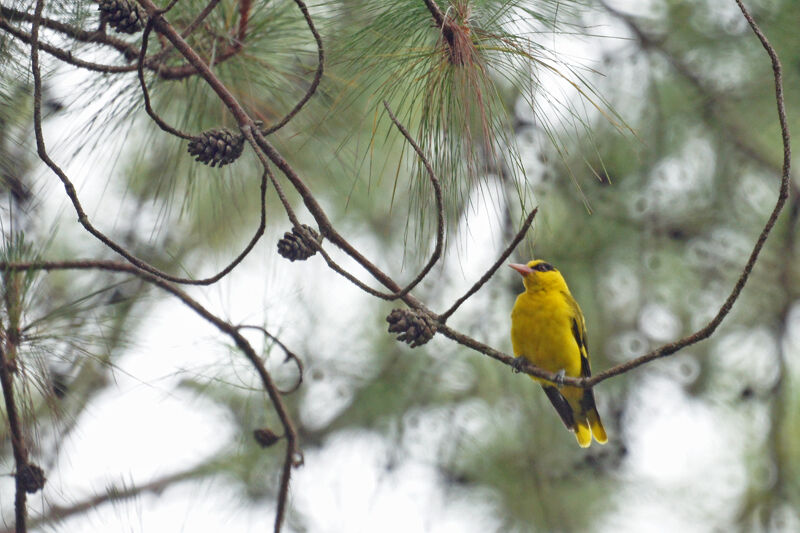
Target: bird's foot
560	378
517	364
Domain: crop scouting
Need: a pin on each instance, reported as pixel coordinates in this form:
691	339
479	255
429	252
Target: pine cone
122	15
415	328
217	147
32	478
295	246
265	437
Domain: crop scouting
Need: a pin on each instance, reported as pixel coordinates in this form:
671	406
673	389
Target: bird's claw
517	364
560	378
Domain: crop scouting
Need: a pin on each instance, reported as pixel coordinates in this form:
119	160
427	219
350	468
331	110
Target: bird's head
538	274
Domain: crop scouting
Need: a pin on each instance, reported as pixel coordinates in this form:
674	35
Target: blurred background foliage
645	132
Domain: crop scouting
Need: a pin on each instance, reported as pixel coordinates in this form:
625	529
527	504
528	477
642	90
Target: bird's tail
579	413
583	434
587	419
590	414
598	431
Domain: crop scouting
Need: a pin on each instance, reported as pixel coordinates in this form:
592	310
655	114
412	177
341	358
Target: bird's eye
543	267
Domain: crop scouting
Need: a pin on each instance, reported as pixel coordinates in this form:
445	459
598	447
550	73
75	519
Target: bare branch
290	355
146	94
317	75
708	329
97	37
437	194
18	446
63	55
84	220
489	273
57	513
293	455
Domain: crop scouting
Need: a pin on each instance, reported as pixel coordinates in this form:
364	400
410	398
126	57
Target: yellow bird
548	329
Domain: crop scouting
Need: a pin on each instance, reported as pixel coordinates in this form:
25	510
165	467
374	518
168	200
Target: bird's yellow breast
541	331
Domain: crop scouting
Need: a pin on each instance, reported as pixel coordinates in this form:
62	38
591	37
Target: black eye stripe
544	267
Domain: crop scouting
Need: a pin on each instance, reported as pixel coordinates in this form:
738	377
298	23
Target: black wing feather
561	405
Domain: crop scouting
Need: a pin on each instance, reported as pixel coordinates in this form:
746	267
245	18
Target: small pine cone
265	437
415	328
217	147
122	15
32	478
295	246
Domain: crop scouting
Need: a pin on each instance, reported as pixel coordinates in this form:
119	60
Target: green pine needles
454	72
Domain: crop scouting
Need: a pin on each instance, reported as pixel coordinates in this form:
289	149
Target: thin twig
437	194
290	356
146	94
708	329
317	75
248	135
243	119
293	456
56	513
84	219
18	446
212	4
244	17
96	37
63	55
489	273
169	7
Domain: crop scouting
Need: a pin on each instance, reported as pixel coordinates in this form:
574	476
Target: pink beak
522	269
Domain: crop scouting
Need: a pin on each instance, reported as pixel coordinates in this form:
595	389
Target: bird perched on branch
548	329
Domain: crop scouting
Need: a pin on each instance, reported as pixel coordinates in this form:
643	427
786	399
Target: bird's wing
562	406
579	333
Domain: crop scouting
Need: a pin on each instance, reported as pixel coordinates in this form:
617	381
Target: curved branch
489	273
63	55
127	50
84	219
326	228
437	193
783	194
290	355
708	329
317	76
293	456
146	94
56	513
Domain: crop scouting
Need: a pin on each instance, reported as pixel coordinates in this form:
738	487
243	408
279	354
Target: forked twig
84	219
